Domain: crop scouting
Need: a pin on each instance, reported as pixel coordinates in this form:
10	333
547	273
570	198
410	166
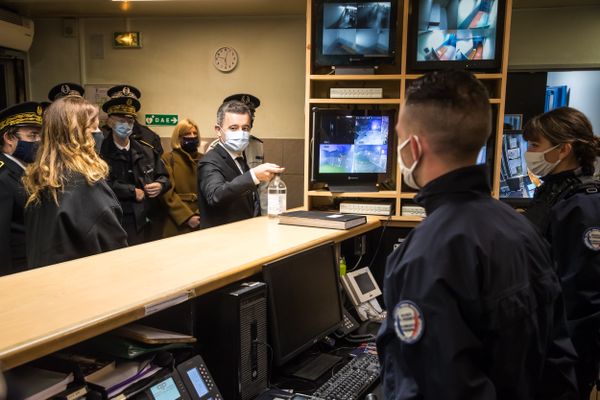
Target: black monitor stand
363	187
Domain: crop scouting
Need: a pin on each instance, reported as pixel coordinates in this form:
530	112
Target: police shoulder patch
408	321
591	238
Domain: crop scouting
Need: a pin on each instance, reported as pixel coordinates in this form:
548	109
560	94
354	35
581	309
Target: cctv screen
457	30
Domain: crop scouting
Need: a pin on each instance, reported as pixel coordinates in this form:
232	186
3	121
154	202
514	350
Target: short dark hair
11	131
234	107
452	109
567	125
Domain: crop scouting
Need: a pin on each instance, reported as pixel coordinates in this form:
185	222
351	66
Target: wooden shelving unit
394	81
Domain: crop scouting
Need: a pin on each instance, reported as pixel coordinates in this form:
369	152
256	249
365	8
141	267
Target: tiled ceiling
106	8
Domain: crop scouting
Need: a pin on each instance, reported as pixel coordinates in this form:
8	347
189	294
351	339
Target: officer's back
473	303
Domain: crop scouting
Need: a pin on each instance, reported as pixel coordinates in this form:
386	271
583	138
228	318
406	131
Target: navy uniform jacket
12	222
572	226
142	133
133	169
224	194
470	297
86	221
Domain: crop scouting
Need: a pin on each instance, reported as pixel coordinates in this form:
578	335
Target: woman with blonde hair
181	199
71	212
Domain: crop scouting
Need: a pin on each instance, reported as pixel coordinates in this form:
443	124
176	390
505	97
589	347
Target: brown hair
183	128
67	146
234	107
567	125
452	108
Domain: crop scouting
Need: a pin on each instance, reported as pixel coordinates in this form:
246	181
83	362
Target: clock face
226	59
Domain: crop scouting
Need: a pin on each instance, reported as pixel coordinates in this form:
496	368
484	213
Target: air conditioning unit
16	32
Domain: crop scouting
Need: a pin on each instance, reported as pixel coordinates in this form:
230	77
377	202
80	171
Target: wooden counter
50	308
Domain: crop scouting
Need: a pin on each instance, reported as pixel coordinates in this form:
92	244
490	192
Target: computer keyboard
353	380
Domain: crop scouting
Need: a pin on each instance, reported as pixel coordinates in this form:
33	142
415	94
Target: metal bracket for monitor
354	70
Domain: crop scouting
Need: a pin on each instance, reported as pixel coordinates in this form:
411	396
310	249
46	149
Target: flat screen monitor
515	182
456	34
304	300
358	33
351	146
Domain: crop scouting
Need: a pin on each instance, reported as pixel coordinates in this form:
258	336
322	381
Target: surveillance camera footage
353	144
356	29
457	30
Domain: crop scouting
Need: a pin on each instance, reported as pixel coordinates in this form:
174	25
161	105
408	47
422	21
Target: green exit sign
162	119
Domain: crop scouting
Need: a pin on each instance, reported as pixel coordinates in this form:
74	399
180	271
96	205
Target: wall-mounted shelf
383	194
394	80
354	101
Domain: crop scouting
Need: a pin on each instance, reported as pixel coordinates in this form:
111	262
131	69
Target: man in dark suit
227	186
20	127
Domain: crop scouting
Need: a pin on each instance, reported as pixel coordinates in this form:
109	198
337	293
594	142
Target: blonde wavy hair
67	146
181	129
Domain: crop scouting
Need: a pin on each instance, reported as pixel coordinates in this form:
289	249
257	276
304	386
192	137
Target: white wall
584	92
555	38
174	68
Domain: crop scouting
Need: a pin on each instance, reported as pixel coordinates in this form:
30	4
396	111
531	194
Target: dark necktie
242	163
256	201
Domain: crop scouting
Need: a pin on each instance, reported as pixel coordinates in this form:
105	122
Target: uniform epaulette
146	143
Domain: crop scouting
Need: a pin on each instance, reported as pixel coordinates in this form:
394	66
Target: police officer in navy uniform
562	149
141	133
20	127
473	303
65	89
137	174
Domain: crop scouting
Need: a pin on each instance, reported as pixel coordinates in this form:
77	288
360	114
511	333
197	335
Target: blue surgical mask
236	141
25	151
123	129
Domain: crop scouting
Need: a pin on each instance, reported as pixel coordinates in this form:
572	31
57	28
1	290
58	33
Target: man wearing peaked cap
20	127
137	175
65	89
141	133
124	91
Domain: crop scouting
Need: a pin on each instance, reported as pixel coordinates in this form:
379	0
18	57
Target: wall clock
225	59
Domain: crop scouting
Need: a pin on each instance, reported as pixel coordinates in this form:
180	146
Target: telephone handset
348	325
197	380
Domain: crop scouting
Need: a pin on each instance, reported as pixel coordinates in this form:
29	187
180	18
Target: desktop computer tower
232	336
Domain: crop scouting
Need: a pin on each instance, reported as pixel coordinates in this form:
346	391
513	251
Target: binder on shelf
39	384
321	219
150	335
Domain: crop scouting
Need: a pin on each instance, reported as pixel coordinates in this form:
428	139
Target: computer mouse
371	396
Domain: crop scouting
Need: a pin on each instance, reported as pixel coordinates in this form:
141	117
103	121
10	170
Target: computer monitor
515	182
304	300
360	32
350	147
456	34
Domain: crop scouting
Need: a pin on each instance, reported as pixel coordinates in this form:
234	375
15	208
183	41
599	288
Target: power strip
356	93
366	208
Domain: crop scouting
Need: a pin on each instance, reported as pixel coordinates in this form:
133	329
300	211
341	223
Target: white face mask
408	176
536	162
236	141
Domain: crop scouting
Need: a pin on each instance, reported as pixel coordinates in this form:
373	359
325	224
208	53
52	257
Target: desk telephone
363	291
189	381
348	325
